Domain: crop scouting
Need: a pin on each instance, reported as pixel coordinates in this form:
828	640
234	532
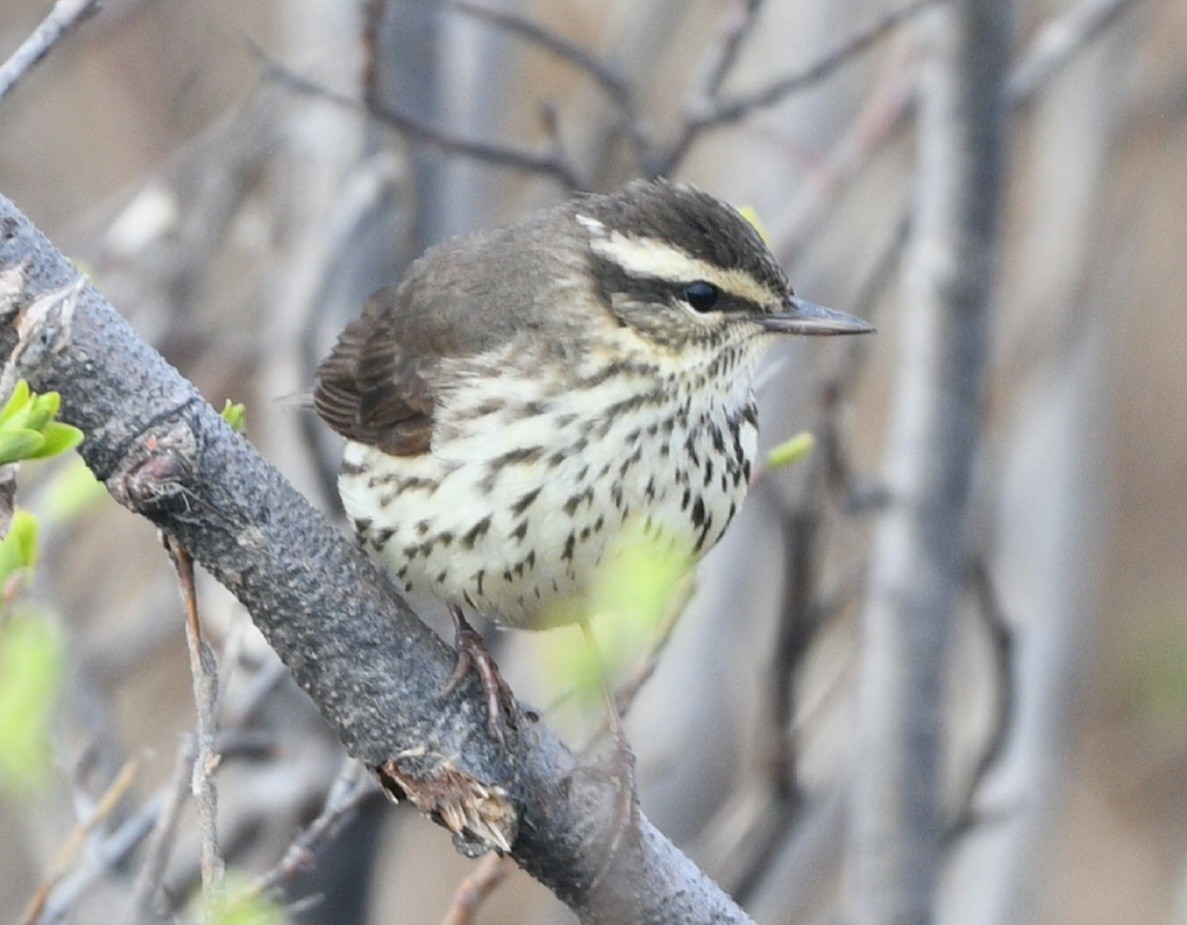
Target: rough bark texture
374	670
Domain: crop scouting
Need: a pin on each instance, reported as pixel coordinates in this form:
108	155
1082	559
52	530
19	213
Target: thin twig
741	106
1001	638
205	682
164	832
111	798
718	113
104	857
491	871
603	74
65	15
1057	43
348	792
416	131
731	45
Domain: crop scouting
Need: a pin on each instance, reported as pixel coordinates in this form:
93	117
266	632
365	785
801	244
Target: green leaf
17	443
751	215
28	429
18	548
235	415
16	402
791	451
30	678
627	604
240	905
58	438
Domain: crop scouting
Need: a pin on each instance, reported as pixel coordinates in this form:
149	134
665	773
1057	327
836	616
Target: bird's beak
800	317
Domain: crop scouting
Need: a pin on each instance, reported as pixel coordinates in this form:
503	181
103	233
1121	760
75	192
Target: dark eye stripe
613	279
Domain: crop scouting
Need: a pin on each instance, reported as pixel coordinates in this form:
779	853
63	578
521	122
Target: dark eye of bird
701	295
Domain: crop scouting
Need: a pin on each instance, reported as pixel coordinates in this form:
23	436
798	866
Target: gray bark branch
920	544
374	670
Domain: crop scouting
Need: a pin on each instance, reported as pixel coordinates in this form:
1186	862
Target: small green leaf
791	451
240	905
18	548
58	438
236	415
17	443
28	429
17	401
30	677
751	215
628	602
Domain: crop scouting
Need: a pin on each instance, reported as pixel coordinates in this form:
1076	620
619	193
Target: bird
527	393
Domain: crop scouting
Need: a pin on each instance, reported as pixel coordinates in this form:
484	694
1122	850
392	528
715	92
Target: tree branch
61	20
373	669
920	544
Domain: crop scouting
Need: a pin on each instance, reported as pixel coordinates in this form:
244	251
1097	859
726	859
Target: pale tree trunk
919	558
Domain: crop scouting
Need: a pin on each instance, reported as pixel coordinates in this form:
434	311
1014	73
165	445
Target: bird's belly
514	519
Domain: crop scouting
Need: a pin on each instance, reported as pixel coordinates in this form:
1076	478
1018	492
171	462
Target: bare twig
103	857
416	131
1058	42
717	113
603	74
1001	638
107	804
745	16
164	831
205	681
491	871
352	788
65	15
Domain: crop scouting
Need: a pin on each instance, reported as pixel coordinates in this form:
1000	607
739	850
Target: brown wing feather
372	390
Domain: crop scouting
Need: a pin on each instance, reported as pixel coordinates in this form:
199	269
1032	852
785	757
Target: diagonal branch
716	114
65	15
373	669
420	132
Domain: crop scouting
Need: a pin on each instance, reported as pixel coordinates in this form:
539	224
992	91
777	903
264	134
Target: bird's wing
373	388
380	384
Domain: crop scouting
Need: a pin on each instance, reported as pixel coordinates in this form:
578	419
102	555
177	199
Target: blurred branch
1001	639
62	19
163	834
710	114
69	851
897	831
603	74
416	131
320	602
745	15
1058	42
474	890
348	792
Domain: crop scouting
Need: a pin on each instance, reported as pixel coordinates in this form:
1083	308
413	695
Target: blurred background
238	177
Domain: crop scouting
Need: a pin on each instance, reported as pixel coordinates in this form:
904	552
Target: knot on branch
151	478
480	815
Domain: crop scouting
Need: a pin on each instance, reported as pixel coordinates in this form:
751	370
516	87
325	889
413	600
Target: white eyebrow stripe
655	259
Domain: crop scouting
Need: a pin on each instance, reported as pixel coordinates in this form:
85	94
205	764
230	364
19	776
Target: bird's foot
473	656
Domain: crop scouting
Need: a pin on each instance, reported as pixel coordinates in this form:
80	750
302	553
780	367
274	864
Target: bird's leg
623	765
472	655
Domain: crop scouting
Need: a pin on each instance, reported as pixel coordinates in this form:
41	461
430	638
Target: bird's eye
702	296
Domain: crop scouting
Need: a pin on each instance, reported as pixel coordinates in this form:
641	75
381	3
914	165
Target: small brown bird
528	390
